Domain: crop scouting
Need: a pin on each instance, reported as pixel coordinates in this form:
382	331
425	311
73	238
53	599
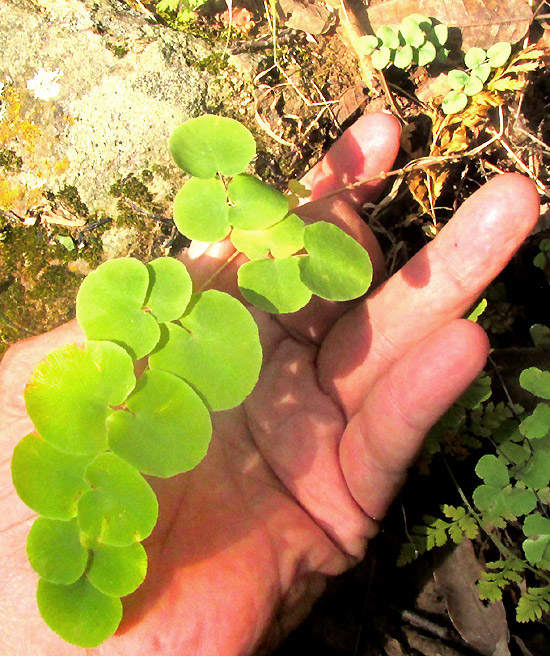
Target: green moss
129	191
133	188
37	295
213	63
38	284
70	197
37	287
119	50
165	172
9	160
53	279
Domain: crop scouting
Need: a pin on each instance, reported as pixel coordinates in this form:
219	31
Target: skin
297	478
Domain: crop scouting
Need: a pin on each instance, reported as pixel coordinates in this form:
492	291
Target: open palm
296	478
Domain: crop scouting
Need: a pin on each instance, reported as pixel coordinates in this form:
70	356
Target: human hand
297	477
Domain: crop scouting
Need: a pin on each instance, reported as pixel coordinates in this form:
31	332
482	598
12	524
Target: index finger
437	285
367	147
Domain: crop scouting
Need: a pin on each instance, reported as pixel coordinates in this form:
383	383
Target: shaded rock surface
90	92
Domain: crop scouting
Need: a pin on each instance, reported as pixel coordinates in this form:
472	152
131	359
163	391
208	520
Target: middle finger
437	285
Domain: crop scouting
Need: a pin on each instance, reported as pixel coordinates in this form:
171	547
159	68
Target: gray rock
91	93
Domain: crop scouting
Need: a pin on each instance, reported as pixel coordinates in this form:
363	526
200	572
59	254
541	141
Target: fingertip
364	150
517	189
377	137
386	433
453	354
511	199
488	229
515	186
380	128
465	335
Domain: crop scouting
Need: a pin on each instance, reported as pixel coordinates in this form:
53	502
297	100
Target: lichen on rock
89	95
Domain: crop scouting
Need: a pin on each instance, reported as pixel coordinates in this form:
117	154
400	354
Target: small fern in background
513	497
436	532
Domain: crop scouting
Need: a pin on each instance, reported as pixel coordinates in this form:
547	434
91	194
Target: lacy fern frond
533	603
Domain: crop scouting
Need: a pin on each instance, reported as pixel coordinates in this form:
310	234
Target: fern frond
436	534
489	589
533	603
409	553
462	524
501	574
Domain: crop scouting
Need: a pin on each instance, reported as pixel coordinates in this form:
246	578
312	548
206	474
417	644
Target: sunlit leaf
110	306
536	381
425	54
167	429
117	571
283	239
367	44
210	144
499	53
255	204
493	471
454	102
482	72
201	210
478	310
537	546
47	480
337	267
287	237
413	34
481	22
388	37
217	350
381	57
537	424
457	79
169	290
54	550
423	21
473	86
403	57
253	243
121	508
78	613
65	241
274	285
475	57
70	393
439	34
